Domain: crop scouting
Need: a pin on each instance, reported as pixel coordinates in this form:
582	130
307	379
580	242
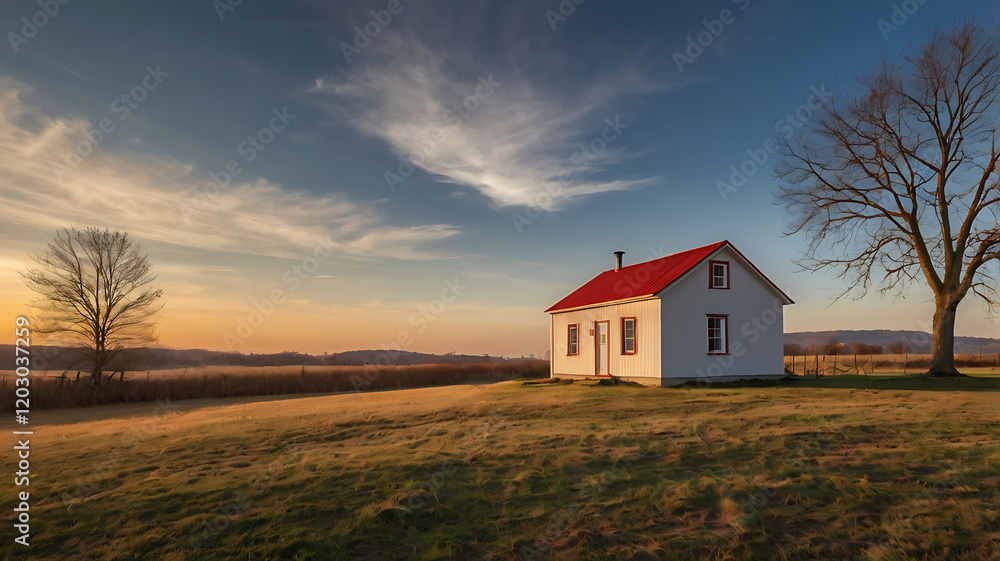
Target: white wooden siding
645	363
755	350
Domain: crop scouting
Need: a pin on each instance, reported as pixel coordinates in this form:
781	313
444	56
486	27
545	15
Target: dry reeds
52	392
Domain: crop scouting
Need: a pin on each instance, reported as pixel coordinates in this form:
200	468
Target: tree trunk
99	361
943	361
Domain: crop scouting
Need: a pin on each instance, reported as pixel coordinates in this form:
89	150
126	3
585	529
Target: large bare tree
897	181
94	287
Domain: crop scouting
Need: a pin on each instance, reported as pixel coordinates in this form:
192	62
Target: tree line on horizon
73	359
842	349
796	349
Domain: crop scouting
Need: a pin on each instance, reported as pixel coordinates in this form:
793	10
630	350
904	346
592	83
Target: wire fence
881	364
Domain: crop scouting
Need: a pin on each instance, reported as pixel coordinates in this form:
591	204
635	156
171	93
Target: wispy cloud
143	194
510	146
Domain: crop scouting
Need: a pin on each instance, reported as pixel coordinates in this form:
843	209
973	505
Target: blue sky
473	212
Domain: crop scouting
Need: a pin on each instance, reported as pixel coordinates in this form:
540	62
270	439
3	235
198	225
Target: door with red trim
602	353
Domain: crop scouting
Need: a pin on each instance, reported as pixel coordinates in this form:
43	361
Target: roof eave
602	304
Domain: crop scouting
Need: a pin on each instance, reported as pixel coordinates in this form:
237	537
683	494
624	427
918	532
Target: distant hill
58	358
915	341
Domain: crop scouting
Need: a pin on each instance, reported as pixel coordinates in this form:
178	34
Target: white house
704	314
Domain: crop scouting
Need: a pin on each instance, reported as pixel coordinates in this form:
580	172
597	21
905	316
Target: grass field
850	467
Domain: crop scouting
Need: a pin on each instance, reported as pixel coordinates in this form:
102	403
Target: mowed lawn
506	471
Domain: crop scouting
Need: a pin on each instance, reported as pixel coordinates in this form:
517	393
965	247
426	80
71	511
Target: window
573	343
719	271
718	335
628	336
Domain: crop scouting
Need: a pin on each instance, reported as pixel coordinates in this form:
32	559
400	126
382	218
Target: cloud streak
143	194
507	146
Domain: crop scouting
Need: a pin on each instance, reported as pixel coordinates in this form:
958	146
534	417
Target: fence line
866	364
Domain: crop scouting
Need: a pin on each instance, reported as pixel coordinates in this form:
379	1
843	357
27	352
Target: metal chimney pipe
618	260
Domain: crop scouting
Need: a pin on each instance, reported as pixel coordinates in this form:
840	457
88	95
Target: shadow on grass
854	381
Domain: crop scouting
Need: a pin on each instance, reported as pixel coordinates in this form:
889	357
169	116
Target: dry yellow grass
505	471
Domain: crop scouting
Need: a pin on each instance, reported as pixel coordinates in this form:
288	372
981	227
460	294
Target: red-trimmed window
718	272
718	335
629	336
573	339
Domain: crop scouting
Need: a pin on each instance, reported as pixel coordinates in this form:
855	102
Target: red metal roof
643	279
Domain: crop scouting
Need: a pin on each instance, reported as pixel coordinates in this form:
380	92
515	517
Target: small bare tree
94	290
899	181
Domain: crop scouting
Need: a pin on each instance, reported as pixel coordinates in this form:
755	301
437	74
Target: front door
601	340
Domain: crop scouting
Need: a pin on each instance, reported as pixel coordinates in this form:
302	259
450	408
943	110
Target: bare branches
901	180
898	181
94	287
